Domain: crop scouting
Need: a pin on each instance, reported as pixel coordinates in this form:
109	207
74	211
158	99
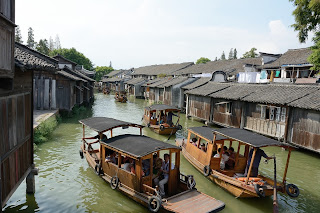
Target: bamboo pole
286	168
251	163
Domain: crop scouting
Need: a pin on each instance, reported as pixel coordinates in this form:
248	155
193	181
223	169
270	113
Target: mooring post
30	180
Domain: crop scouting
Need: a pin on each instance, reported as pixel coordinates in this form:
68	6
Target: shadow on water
66	183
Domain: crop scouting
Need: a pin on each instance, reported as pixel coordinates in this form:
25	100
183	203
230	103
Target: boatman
256	162
169	118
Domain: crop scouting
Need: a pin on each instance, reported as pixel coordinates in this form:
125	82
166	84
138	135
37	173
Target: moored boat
127	163
240	177
120	97
158	117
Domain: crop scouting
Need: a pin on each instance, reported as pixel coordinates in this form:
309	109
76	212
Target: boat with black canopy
159	118
234	173
129	163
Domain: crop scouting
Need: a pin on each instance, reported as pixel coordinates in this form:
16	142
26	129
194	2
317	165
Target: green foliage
101	71
251	53
75	56
30	41
223	56
18	37
161	75
235	54
314	58
307	18
202	60
43	47
77	110
43	131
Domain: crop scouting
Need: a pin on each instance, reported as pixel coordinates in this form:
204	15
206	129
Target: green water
67	184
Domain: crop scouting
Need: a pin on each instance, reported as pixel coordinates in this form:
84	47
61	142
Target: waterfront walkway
40	116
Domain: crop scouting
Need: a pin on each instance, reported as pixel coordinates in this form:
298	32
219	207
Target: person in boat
111	158
146	167
194	141
169	118
162	118
231	161
165	170
157	163
203	147
256	162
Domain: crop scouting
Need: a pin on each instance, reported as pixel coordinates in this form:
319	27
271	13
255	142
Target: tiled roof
32	59
208	88
114	73
279	94
233	66
174	81
291	57
134	81
236	91
149	82
77	73
68	75
196	83
161	82
311	101
111	80
167	69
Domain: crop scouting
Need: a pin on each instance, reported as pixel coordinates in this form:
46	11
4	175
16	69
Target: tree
18	37
251	53
230	54
202	60
51	44
223	56
75	56
43	47
30	41
57	42
235	54
307	19
101	71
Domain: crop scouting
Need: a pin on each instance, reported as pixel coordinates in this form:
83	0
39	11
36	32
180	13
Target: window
283	114
278	113
271	113
229	107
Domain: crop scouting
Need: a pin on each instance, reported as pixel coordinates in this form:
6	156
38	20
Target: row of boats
130	162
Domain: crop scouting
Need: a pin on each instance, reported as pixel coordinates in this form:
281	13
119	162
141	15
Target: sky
135	33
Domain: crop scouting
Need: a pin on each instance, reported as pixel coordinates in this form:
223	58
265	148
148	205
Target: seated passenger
165	170
146	167
156	168
203	147
231	161
218	154
224	159
111	158
194	141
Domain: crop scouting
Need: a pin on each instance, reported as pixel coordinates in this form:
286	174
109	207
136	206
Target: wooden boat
181	191
120	97
230	179
106	91
155	118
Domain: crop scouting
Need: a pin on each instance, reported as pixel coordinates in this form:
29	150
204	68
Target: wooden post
119	160
83	136
237	156
286	168
140	131
251	163
111	133
138	170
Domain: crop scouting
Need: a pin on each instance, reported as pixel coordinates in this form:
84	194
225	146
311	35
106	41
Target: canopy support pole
286	169
251	163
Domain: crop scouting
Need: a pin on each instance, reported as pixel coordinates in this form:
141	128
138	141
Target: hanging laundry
263	74
277	73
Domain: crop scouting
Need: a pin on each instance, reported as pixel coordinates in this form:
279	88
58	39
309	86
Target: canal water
67	184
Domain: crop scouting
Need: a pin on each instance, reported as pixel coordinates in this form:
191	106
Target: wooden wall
6	48
167	96
65	93
44	87
304	128
79	93
221	117
253	122
199	107
152	95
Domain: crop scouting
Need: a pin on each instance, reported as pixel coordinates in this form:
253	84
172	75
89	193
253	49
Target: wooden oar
275	198
173	129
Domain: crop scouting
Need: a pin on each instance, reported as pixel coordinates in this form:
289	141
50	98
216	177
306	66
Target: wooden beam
251	163
286	168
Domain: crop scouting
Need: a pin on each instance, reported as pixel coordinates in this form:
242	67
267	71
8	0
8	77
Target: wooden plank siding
65	93
221	116
199	107
304	128
167	96
6	48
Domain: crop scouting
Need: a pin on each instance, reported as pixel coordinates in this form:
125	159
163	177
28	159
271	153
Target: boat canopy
102	124
162	107
206	132
247	137
137	145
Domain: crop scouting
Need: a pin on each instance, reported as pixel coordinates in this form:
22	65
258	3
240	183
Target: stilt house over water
16	138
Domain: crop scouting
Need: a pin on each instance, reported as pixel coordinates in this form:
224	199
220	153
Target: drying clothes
277	73
263	74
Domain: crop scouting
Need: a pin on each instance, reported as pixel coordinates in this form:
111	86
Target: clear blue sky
134	33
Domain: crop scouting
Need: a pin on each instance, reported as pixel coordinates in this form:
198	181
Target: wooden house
114	84
133	86
88	73
44	76
62	61
267	112
199	103
153	71
292	66
156	93
145	87
124	74
16	138
304	122
195	84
